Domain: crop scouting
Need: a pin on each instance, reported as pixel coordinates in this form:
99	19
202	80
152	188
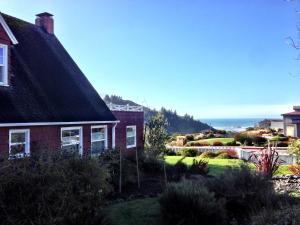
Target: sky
207	58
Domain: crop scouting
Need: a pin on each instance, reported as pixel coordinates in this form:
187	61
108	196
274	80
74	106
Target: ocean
232	124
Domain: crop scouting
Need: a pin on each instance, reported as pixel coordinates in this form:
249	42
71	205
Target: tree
294	148
156	134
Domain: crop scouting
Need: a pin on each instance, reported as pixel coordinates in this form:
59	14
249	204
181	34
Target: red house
48	103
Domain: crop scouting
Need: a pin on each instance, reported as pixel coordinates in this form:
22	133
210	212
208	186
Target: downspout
114	135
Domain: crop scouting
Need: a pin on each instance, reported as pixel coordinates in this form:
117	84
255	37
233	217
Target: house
275	124
291	123
48	103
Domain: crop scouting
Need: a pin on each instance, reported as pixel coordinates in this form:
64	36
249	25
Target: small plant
208	155
227	154
191	203
223	155
295	169
266	161
200	167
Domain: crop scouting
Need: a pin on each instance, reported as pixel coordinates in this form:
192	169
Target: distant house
292	123
275	124
47	102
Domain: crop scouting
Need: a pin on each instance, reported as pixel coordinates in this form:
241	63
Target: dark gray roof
46	85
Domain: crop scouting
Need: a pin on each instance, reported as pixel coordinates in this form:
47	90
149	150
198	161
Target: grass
217	166
139	212
212	140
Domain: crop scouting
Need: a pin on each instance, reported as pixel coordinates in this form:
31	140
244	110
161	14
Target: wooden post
137	168
120	177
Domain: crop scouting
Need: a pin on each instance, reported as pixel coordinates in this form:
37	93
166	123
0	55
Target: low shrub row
236	197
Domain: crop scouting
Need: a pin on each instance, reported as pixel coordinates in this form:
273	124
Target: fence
243	152
127	108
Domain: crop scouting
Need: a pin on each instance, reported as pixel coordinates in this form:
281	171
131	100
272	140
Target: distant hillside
177	124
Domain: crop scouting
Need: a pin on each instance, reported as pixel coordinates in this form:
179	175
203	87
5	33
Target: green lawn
212	140
217	166
136	212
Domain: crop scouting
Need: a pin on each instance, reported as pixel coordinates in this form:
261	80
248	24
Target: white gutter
54	123
8	30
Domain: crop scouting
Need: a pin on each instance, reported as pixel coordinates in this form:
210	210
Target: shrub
223	155
199	167
197	143
240	137
189	152
217	143
295	169
190	137
287	215
151	165
282	144
177	171
208	155
243	190
191	203
169	152
232	143
53	189
258	140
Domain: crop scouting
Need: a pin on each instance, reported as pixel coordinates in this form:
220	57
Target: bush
189	152
240	137
53	189
151	165
191	203
243	190
199	167
190	137
217	143
232	143
177	171
288	215
295	169
169	152
227	154
197	143
223	155
208	155
258	140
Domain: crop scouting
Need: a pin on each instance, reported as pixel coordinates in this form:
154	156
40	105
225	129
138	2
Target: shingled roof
46	85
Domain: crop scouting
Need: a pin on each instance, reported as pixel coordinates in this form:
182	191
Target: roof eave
8	30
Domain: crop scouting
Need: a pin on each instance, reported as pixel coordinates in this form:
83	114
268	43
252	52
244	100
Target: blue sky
208	58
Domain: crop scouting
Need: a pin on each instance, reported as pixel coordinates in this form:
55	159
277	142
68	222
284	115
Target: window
290	130
98	139
19	143
131	136
3	65
71	140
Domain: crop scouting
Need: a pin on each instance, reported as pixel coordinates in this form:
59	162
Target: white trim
8	30
134	128
114	136
54	123
80	136
105	134
27	142
5	65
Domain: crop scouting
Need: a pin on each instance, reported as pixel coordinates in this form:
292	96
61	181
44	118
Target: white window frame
27	143
134	128
80	137
4	65
105	135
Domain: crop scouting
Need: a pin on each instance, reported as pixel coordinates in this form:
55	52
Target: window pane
18	138
98	134
98	147
130	141
71	148
1	74
17	149
130	132
1	56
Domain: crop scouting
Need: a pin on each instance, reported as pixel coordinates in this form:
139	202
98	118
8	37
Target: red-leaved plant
267	160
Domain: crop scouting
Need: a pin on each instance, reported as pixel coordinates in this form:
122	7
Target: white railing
127	108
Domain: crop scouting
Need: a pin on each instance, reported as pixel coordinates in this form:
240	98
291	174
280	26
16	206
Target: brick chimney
45	21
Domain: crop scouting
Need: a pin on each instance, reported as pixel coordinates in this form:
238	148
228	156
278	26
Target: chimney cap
44	14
